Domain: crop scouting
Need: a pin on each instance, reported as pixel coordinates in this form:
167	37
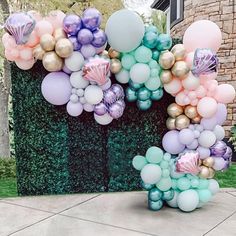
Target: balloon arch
143	61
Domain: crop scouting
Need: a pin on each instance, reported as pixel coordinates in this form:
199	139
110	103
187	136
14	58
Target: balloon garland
72	49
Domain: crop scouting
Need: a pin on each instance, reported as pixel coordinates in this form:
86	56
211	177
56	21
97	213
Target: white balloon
213	186
140	73
77	80
188	200
173	202
88	107
124	30
74	109
74	98
191	82
80	92
219	132
104	119
82	100
151	173
75	62
123	76
207	138
93	94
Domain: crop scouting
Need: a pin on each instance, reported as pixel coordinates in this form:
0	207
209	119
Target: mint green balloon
164	42
165	173
154	155
157	94
151	28
167	156
154	72
153	83
132	52
155	55
203	184
139	162
135	86
183	183
153	64
128	61
143	54
143	94
164	164
131	95
144	105
194	183
174	183
204	195
164	184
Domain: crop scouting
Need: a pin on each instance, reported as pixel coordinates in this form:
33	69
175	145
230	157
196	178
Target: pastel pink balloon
191	82
194	102
202	34
173	87
36	15
225	93
25	65
192	95
181	99
15	52
26	54
33	40
9	56
189	59
200	91
207	107
43	27
8	41
206	77
56	18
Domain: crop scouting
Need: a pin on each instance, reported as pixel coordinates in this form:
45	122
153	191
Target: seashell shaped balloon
20	25
188	163
205	62
96	70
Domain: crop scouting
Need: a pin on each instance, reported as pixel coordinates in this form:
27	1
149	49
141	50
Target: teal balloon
153	83
164	184
155	55
135	86
147	186
168	195
144	105
155	206
153	64
150	39
183	183
204	195
194	183
143	94
157	94
151	28
154	155
143	54
164	42
154	194
164	164
128	61
131	95
139	162
203	184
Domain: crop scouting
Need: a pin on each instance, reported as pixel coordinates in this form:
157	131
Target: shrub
7	168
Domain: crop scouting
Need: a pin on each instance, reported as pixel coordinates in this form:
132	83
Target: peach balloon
26	54
25	65
56	18
189	59
207	107
33	40
174	86
43	27
202	34
191	82
225	93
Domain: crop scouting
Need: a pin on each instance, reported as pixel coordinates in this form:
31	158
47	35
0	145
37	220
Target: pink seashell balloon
20	25
96	70
188	163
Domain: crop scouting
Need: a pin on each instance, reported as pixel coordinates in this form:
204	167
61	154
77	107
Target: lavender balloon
91	19
218	149
85	36
116	110
220	163
109	97
121	103
88	50
118	90
221	114
75	43
20	25
107	85
100	109
228	154
72	24
99	38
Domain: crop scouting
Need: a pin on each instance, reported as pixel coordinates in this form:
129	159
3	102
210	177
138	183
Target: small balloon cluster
173	180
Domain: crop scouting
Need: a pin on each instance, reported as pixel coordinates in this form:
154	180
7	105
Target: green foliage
7	168
8	187
233	136
227	179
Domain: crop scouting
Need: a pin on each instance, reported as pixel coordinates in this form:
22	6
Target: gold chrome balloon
204	172
170	123
47	42
166	60
180	69
166	76
59	34
64	48
115	66
113	53
209	162
174	110
196	120
52	62
182	122
179	52
38	52
190	111
211	173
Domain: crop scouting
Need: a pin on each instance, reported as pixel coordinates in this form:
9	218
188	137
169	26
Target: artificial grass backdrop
56	153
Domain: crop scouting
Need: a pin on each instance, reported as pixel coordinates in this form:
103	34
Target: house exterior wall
223	13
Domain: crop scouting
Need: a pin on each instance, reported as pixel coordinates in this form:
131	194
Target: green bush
233	136
7	168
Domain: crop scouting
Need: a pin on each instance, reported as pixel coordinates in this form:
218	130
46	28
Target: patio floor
113	214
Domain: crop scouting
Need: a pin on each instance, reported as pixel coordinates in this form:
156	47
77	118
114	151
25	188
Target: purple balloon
228	154
109	97
203	152
186	136
116	110
122	103
106	86
100	109
72	24
76	44
91	18
66	70
218	149
88	50
193	145
171	143
74	109
20	25
56	88
118	90
221	113
220	163
99	38
209	123
85	36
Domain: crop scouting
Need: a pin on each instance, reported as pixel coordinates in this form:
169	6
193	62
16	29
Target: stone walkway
111	214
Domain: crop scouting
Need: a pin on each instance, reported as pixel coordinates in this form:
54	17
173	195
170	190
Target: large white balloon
124	30
104	119
93	94
151	174
75	62
140	73
188	200
77	80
